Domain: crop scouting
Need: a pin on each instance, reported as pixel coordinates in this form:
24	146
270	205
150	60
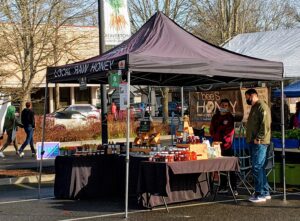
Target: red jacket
222	129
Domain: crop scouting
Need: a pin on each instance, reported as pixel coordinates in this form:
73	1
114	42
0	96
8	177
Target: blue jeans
259	161
29	139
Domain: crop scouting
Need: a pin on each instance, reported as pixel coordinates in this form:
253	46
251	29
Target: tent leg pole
127	144
283	139
182	101
43	140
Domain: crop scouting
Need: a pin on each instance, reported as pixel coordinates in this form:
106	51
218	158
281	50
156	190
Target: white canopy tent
281	46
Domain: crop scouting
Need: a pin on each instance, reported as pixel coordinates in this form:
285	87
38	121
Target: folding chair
242	152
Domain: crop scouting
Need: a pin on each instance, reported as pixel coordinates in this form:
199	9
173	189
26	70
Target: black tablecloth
82	177
178	181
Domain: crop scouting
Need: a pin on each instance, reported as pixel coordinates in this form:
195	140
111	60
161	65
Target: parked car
68	120
88	110
138	109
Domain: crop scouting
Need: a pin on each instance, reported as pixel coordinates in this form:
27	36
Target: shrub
116	129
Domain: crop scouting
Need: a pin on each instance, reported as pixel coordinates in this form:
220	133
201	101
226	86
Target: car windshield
82	108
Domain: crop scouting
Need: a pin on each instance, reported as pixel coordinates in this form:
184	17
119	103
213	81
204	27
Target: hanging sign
82	83
203	105
123	95
114	79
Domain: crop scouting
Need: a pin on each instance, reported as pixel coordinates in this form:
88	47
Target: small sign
82	83
114	79
51	150
145	126
121	64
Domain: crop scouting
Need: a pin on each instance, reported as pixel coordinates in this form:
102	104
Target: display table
82	177
178	181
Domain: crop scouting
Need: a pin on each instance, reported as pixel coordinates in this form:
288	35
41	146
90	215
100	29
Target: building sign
117	24
203	105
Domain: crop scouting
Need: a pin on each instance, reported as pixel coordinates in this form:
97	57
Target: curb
27	179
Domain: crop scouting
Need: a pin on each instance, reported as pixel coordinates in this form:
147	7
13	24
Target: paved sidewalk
13	163
165	138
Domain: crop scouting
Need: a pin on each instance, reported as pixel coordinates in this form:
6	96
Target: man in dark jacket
258	135
222	130
27	118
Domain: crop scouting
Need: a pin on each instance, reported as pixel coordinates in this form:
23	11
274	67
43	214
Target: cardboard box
200	149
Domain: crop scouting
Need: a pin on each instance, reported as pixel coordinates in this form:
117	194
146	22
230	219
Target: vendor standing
295	119
222	130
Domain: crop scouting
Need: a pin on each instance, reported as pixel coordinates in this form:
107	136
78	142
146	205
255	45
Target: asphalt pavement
24	201
20	203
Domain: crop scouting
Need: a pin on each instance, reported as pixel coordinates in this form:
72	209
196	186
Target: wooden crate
144	150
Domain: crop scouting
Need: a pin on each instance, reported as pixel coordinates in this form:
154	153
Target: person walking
222	130
27	118
258	135
11	123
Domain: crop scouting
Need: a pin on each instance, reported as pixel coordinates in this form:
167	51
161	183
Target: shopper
114	110
222	130
295	119
27	118
258	135
11	124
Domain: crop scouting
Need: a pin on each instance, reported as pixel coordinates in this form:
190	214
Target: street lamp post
102	86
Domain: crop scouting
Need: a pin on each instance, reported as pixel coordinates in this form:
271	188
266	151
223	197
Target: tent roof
292	90
281	45
162	53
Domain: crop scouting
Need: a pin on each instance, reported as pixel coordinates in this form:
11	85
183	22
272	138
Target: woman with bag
11	124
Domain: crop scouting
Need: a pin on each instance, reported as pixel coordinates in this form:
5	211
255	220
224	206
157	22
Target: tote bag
14	132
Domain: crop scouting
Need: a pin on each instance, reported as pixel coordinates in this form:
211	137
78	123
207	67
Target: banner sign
203	105
117	24
51	150
85	69
123	96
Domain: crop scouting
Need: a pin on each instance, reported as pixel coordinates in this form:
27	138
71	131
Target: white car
69	120
88	110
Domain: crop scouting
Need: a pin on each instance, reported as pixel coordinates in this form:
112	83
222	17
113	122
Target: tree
219	20
32	33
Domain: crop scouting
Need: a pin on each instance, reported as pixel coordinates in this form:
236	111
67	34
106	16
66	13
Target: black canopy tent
162	53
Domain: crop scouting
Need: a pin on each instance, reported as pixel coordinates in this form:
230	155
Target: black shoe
33	155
